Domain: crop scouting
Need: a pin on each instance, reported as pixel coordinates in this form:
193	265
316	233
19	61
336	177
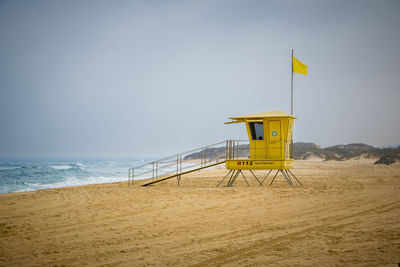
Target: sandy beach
346	214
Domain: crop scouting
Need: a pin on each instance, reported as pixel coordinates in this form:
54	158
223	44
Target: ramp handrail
179	163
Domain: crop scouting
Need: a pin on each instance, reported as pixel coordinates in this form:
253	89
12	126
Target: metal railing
207	156
180	163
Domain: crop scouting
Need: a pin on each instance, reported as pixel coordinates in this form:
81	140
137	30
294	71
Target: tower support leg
244	178
294	177
287	178
224	178
262	182
273	179
232	181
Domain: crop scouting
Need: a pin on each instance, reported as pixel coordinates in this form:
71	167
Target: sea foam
35	174
62	167
72	181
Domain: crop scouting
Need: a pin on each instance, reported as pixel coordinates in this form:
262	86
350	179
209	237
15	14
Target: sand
347	213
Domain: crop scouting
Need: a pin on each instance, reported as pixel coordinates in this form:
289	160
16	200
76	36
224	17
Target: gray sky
152	78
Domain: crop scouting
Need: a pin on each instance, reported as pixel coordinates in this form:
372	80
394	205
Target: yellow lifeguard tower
269	147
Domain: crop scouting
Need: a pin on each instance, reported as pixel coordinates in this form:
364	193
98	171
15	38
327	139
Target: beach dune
346	213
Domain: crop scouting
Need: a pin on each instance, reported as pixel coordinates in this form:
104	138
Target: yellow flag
299	67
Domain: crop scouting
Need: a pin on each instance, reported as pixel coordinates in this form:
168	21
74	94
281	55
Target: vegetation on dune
346	152
388	159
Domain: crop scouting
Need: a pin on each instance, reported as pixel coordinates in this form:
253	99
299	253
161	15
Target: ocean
18	175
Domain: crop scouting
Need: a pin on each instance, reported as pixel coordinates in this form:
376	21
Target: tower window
256	130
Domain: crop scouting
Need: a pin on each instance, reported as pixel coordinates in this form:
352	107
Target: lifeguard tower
269	147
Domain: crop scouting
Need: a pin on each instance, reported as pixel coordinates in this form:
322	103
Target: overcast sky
152	78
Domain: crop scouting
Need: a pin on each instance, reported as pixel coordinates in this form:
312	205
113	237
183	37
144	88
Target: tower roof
260	116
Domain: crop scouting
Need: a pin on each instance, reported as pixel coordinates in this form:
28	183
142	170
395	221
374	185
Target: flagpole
291	110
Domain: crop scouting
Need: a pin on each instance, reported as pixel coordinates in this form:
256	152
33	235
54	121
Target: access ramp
180	164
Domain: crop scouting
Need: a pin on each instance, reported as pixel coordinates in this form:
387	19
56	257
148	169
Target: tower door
275	139
258	144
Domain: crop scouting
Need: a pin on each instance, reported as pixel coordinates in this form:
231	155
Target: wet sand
346	213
